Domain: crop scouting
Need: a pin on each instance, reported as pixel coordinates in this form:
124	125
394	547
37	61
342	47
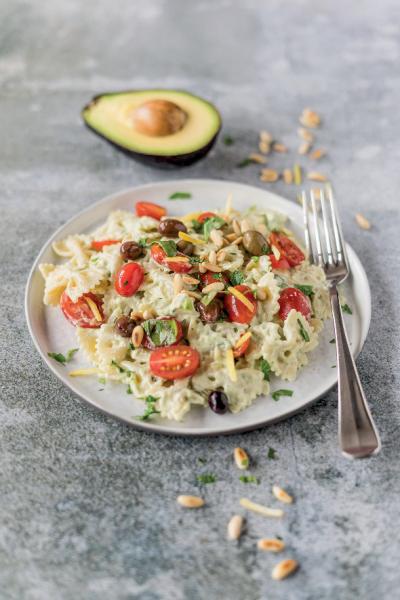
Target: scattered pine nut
217	238
287	176
244	226
212	257
148	314
362	221
231	236
316	176
261	294
195	295
284	569
190	501
265	136
260	509
221	255
281	148
264	147
306	135
258	158
309	118
218	286
235	527
202	268
304	148
317	153
136	315
269	175
177	284
241	458
297	174
137	336
236	227
238	241
189	280
281	495
271	545
210	267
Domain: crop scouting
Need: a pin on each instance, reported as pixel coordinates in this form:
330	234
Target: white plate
52	333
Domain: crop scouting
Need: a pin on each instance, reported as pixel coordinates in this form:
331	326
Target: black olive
124	326
130	250
218	402
185	247
171	227
255	243
211	312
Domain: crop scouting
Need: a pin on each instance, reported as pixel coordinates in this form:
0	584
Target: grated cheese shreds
230	365
188	238
93	307
246	336
83	372
241	297
190	217
182	259
275	252
260	509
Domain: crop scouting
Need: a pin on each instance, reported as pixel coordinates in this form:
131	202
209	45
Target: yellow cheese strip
241	297
183	259
93	307
81	372
246	336
275	252
230	365
188	238
260	509
190	217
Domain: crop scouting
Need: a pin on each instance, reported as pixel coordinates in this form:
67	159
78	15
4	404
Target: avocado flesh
111	116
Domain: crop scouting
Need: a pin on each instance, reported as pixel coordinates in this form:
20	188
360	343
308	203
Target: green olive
255	243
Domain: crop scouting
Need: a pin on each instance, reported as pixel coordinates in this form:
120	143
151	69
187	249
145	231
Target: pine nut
261	294
148	314
236	227
177	284
218	286
281	495
189	280
269	175
258	158
137	336
190	501
209	267
271	545
264	147
235	527
362	221
261	509
279	148
231	236
265	136
136	315
202	268
244	226
262	229
241	458
316	176
304	148
238	241
317	154
221	256
284	569
191	294
309	118
216	237
306	135
212	257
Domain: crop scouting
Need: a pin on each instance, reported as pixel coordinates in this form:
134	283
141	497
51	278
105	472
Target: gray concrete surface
87	505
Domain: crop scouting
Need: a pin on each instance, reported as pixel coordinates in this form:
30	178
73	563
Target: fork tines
323	234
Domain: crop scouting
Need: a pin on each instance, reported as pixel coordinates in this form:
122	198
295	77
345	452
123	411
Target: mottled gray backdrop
87	505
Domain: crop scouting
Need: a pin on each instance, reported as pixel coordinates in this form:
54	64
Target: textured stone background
87	505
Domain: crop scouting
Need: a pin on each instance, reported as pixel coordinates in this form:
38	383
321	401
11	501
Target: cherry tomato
209	277
148	343
160	257
281	264
174	362
237	311
205	215
129	279
148	209
287	248
98	245
242	349
79	313
293	298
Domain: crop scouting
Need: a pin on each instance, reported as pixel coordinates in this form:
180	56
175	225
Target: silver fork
358	436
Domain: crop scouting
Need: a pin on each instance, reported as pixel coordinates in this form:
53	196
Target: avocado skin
153	160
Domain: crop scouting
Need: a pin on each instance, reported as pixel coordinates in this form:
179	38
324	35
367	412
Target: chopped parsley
346	309
180	196
115	364
271	453
278	393
150	410
332	341
206	478
266	249
197	226
102	380
265	367
210	224
194	260
245	163
60	358
249	479
129	390
201	460
303	332
143	242
162	332
236	278
217	276
169	247
306	289
228	140
131	346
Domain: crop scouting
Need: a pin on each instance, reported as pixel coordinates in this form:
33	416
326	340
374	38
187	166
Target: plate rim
158	428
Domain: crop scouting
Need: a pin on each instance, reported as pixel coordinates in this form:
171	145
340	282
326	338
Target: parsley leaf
206	478
169	247
346	308
271	453
60	358
332	341
228	140
150	410
303	332
143	242
210	224
265	367
245	163
197	226
249	479
236	278
266	249
129	390
278	393
201	460
162	332
180	196
115	364
217	276
194	260
306	289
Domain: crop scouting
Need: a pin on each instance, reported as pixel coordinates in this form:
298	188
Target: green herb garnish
169	247
194	260
129	390
217	276
210	224
150	410
197	226
201	460
278	393
332	341
206	478
271	453
266	249
265	367
346	308
162	332
249	479
303	332
306	289
117	366
102	380
143	242
180	196
228	140
236	278
60	358
245	163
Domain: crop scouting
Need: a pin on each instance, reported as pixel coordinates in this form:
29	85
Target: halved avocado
159	127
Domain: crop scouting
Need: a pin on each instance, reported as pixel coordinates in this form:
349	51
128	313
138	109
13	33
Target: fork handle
358	436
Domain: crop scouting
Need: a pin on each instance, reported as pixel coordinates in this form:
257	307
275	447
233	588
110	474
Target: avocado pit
158	118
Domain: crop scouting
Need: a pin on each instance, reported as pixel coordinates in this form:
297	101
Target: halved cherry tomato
281	264
98	245
237	311
287	248
293	298
205	215
148	343
174	362
129	279
148	209
241	349
160	257
209	277
79	313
